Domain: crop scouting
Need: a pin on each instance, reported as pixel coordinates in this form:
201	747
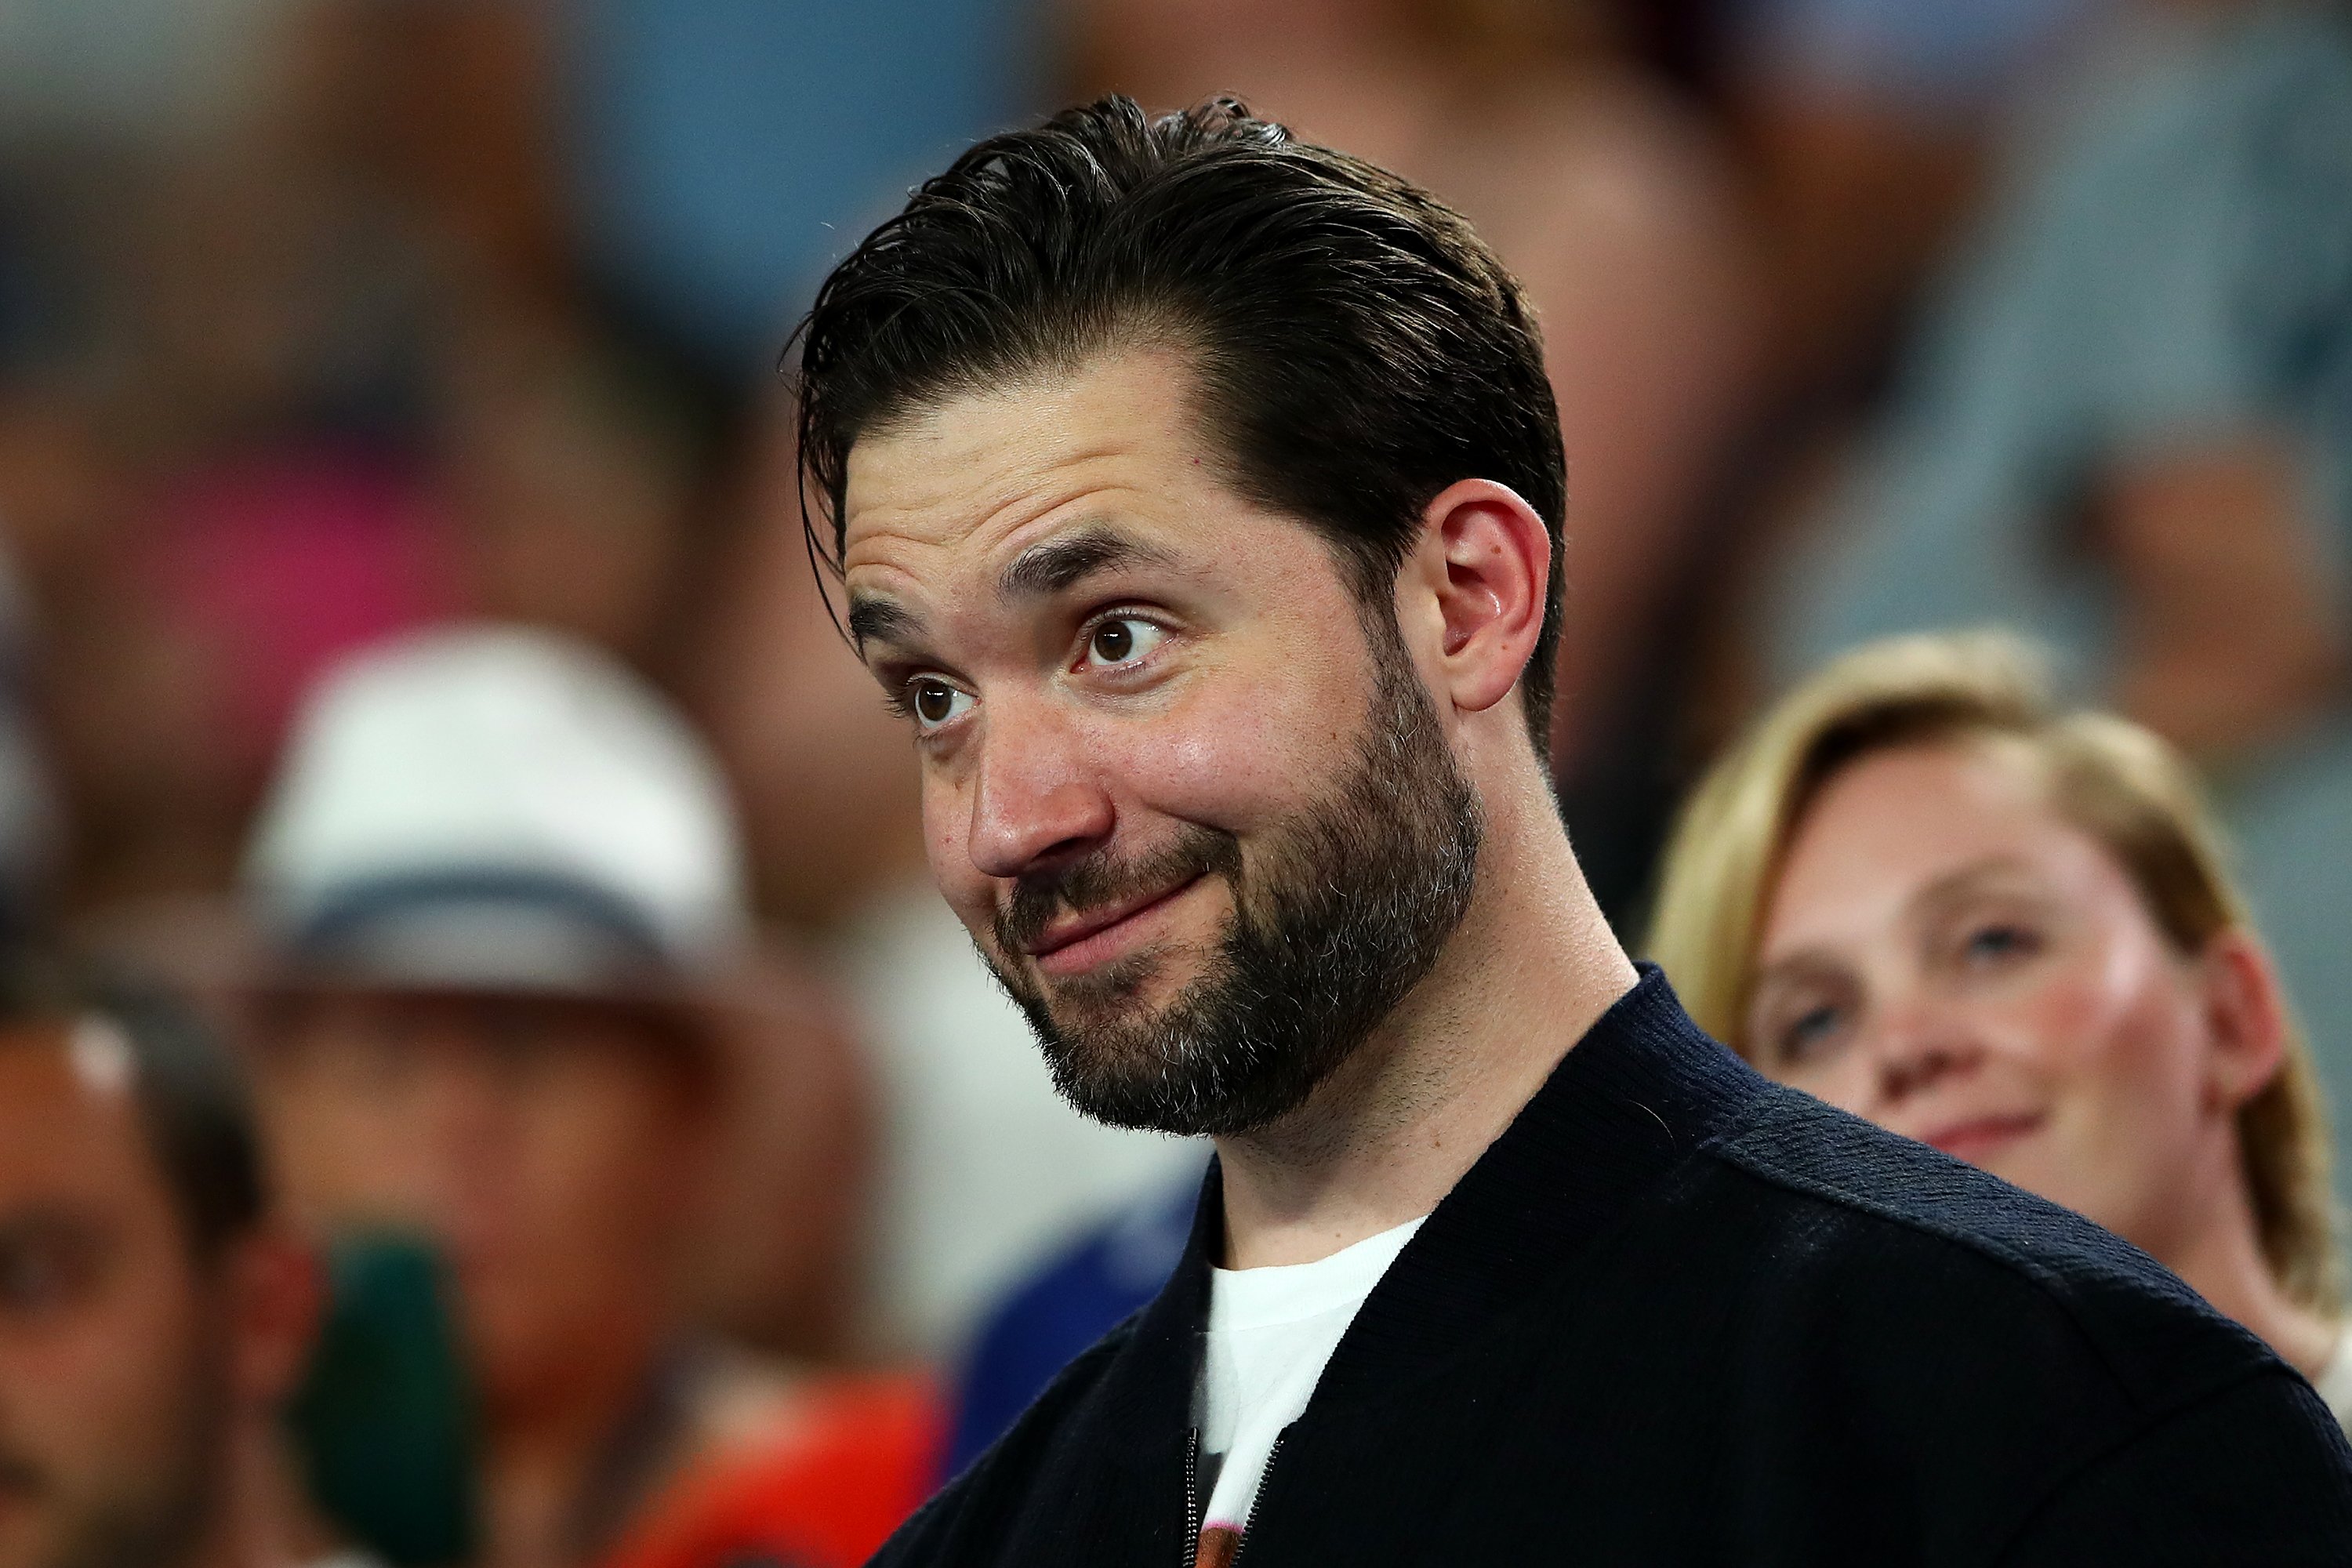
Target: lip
1978	1136
1080	943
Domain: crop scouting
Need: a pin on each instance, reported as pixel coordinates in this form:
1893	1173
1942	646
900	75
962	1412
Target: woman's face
1946	956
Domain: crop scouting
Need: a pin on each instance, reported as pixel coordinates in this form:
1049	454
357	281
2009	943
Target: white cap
498	808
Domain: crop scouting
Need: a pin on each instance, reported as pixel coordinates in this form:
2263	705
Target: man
1196	493
501	883
153	1318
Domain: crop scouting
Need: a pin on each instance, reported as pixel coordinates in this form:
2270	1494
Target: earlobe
1485	560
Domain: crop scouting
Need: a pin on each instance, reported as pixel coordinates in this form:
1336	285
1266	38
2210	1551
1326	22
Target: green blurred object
383	1421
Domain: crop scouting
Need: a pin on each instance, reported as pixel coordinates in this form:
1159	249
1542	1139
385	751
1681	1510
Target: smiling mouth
1979	1136
1100	934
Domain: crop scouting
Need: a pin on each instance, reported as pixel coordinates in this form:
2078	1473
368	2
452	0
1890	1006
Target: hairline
55	1032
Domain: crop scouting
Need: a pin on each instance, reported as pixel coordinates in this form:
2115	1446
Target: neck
1532	967
543	1448
260	1512
2221	1260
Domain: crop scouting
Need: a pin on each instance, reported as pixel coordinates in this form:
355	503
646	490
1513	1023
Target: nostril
1922	1067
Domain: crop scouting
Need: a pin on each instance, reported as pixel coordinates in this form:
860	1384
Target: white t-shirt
1271	1332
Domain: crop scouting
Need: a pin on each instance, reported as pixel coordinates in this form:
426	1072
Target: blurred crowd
409	653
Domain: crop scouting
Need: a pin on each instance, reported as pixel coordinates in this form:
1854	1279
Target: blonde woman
1920	891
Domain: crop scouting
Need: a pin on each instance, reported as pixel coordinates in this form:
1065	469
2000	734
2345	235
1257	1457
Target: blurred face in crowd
1190	795
544	1145
122	1356
1943	954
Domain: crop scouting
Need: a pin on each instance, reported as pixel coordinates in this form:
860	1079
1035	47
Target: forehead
967	482
1895	823
69	1125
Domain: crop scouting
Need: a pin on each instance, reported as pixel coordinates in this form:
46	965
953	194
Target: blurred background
327	322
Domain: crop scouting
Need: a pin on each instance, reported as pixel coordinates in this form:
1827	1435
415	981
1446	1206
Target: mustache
1101	879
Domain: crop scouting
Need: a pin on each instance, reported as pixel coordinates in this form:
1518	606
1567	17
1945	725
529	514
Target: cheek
84	1396
340	1155
1230	758
2111	1037
1849	1082
2085	1020
1271	725
600	1163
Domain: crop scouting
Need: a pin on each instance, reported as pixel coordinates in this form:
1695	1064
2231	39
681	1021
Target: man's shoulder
1895	1226
980	1505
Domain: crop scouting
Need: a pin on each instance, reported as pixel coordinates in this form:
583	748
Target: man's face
114	1392
542	1145
1190	796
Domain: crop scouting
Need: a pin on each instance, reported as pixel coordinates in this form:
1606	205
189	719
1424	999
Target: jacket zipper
1249	1520
1193	1499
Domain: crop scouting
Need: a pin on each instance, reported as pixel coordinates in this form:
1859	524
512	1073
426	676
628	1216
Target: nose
1035	801
1920	1046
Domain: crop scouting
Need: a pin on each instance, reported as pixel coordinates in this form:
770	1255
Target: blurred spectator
28	824
153	1316
980	1167
1616	211
293	373
501	881
723	154
148	70
1866	123
1921	892
2128	430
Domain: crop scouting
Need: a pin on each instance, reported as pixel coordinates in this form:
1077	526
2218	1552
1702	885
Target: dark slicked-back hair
193	1104
1355	347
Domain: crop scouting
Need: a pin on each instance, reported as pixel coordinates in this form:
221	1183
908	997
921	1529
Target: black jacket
1679	1315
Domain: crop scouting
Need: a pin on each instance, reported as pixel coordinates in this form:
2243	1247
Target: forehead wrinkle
1023	487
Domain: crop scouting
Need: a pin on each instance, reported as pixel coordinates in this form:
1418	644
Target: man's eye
1122	640
933	702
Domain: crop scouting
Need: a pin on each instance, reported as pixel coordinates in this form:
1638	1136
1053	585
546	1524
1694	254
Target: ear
1477	581
275	1290
2245	1019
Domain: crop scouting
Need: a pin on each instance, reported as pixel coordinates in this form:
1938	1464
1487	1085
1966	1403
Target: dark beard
1349	909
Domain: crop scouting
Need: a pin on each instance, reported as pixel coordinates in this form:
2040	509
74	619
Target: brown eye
934	701
1113	642
1122	640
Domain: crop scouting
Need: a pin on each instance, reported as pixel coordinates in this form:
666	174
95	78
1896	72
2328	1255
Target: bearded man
1196	492
153	1315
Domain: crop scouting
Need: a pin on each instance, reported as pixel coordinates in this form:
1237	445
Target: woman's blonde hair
2110	778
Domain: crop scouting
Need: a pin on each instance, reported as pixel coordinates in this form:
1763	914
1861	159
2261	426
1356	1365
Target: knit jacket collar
1639	1093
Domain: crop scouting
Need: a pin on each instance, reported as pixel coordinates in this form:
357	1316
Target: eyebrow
1956	885
884	620
1928	903
1061	564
